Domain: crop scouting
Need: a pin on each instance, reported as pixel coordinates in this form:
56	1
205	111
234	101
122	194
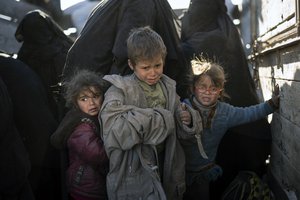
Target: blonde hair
145	43
202	66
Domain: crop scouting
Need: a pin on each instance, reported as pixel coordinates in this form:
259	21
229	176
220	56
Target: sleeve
87	145
188	132
241	115
127	125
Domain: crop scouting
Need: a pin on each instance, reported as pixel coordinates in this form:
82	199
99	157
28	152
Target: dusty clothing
131	131
88	162
225	116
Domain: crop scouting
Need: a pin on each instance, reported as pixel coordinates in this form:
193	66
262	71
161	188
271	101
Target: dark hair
82	80
145	43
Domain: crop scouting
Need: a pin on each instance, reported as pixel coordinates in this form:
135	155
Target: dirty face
205	91
89	101
150	70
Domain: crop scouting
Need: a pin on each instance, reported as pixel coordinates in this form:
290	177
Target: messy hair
83	80
203	66
145	43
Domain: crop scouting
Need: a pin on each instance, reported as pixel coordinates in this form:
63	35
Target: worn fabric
88	162
226	116
101	45
131	131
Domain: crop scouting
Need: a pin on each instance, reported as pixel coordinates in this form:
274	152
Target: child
217	118
79	132
139	130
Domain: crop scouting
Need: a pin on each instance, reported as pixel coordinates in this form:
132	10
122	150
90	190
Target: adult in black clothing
44	49
35	123
101	45
15	164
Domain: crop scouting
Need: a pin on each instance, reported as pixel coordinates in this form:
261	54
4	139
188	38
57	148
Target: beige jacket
130	133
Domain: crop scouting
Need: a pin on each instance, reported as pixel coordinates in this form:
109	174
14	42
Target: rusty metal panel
274	22
281	66
276	58
285	155
273	13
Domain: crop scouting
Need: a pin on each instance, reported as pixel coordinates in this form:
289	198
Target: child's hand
185	115
274	101
276	96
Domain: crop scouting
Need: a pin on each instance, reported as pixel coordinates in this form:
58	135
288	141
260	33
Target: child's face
148	71
89	102
205	91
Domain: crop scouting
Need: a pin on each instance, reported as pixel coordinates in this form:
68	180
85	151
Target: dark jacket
88	163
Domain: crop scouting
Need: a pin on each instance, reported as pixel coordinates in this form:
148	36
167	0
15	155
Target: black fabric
101	46
15	164
50	6
44	49
35	123
208	30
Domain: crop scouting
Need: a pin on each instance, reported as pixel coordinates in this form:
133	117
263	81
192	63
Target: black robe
101	45
15	164
35	123
44	49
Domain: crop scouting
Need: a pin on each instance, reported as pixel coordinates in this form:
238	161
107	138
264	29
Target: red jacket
88	162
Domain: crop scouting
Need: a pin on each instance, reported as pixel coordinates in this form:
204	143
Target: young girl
79	133
217	118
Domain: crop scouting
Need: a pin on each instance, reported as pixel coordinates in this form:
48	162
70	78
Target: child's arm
189	121
238	115
87	145
127	125
185	115
189	125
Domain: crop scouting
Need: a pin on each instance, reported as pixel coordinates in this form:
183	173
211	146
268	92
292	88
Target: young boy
217	118
79	133
139	130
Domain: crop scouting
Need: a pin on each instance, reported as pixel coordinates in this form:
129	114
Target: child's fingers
185	117
276	90
183	106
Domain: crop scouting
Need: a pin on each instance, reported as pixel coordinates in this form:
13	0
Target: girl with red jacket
79	134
